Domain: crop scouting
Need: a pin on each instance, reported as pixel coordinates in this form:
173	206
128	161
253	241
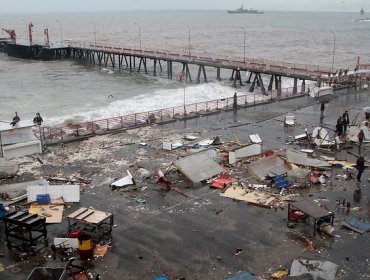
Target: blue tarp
241	276
359	224
281	182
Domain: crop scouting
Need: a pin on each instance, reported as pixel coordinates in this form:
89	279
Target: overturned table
309	209
93	221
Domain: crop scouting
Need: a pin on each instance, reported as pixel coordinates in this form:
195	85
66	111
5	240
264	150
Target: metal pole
188	38
61	31
94	32
332	64
243	43
26	27
139	33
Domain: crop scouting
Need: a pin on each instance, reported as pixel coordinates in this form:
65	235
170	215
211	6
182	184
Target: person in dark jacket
38	119
322	109
339	127
361	138
15	120
345	120
235	101
360	165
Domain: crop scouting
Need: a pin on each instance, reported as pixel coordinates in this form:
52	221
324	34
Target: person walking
339	127
322	109
235	101
346	117
360	165
360	137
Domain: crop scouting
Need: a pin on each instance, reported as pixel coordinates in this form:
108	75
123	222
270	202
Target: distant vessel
362	12
241	10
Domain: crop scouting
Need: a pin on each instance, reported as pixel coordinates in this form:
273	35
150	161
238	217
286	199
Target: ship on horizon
241	10
362	12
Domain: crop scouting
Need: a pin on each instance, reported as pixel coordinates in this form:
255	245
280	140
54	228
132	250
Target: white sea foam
159	99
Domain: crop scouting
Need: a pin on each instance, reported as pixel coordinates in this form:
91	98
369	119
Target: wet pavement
197	237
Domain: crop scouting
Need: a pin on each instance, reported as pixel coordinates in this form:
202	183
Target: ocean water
75	91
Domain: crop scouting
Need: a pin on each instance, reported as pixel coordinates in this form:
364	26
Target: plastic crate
47	273
43	198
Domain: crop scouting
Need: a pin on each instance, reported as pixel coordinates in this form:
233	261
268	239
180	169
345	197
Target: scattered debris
357	225
66	242
250	150
241	276
125	181
69	193
255	138
8	168
221	181
302	159
254	197
268	167
199	167
323	270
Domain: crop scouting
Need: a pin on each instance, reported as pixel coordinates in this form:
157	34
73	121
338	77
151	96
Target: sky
54	6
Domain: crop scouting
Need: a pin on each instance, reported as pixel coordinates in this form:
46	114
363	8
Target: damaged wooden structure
91	221
309	210
24	227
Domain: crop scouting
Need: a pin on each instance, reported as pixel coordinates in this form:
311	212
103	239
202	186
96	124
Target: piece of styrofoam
125	181
66	242
70	193
255	138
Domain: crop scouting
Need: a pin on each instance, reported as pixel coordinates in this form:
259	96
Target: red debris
222	180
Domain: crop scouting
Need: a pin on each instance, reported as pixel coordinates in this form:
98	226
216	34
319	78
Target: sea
68	91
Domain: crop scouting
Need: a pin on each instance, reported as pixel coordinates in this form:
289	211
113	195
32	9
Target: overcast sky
35	6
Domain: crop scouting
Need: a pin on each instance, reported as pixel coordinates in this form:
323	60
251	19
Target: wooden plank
77	212
87	215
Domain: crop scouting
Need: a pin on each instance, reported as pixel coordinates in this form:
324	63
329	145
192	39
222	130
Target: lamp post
94	32
139	34
243	43
61	31
189	36
332	64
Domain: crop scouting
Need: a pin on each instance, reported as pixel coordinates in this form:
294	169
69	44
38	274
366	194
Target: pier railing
59	134
231	61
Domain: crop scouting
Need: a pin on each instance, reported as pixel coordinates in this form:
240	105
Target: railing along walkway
59	134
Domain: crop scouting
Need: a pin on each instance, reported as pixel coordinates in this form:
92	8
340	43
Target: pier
194	67
141	60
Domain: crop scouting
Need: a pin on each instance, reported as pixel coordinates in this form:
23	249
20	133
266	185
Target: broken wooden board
53	213
199	167
268	166
254	197
247	151
302	159
100	250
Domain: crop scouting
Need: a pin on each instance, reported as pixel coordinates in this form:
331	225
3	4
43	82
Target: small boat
241	10
321	91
